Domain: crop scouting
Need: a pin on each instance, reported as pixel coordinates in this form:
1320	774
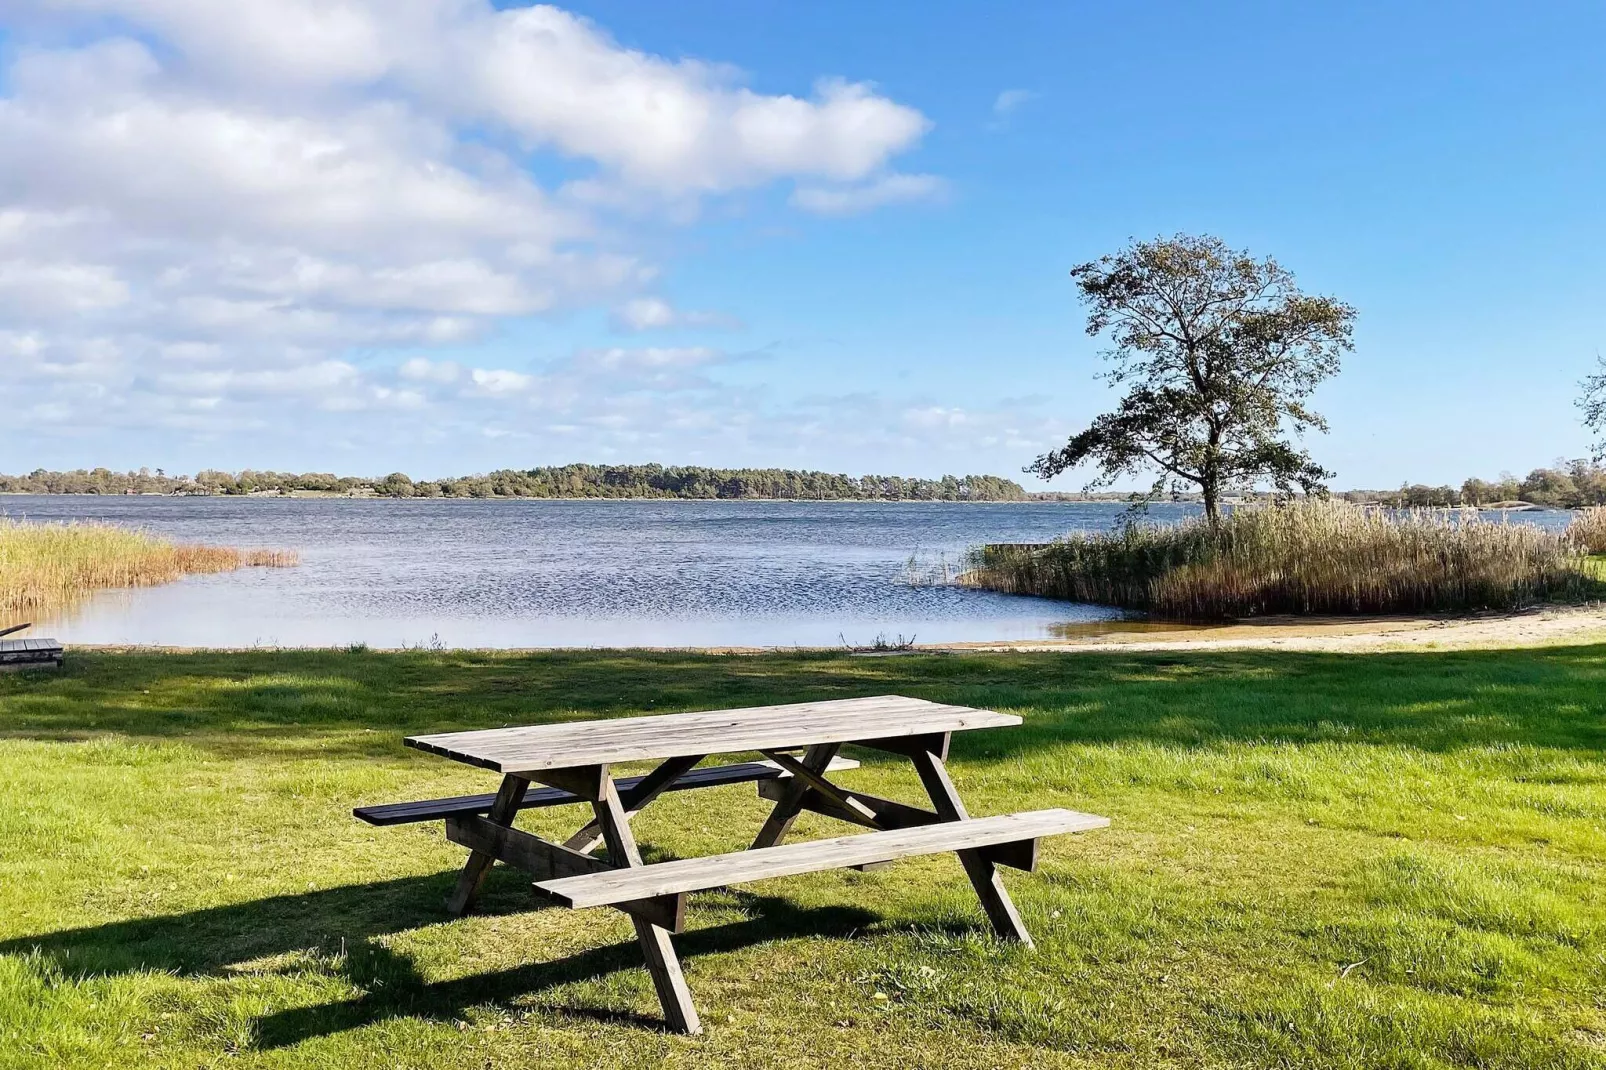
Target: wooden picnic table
573	759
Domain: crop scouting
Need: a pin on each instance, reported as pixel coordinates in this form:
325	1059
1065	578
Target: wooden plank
546	861
403	813
935	743
502	812
30	646
533	855
817	782
17	655
781	818
635	798
885	813
600	742
662	963
739	867
981	870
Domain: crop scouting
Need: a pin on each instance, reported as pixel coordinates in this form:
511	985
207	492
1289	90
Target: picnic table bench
572	760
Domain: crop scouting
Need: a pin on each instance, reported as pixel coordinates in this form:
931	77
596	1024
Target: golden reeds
1304	557
1588	530
44	567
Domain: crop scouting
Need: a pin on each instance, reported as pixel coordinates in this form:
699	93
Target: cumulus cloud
208	209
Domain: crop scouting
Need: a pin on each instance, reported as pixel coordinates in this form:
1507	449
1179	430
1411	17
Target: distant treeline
1569	485
567	481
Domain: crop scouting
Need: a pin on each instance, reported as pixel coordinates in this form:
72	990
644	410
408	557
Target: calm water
543	573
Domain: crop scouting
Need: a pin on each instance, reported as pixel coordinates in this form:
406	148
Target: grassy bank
45	567
1317	861
1308	557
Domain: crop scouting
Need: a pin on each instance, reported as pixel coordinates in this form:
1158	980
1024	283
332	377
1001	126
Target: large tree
1218	353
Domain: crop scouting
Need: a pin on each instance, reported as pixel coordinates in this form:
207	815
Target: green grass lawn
1316	861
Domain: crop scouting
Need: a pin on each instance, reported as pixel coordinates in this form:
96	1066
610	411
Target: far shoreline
313	495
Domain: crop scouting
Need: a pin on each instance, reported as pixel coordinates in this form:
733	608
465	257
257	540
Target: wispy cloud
878	193
655	313
1007	103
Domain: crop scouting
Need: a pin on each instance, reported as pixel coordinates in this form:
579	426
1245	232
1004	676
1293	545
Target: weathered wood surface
980	867
779	823
479	863
716	871
579	743
662	963
817	782
403	813
545	861
30	653
885	813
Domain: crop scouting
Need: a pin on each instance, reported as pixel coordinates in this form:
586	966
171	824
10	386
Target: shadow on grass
359	704
350	920
401	993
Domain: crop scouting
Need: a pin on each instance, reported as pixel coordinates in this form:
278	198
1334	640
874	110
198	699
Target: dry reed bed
1588	530
45	567
1309	557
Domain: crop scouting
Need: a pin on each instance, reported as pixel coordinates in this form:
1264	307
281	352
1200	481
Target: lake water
557	573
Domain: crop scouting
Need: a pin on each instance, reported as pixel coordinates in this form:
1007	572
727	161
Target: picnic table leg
817	758
982	873
506	805
662	961
635	800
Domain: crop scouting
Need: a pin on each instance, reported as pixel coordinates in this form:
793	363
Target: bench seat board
573	744
716	871
403	813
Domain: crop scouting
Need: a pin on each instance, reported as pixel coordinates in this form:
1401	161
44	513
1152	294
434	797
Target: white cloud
654	313
500	382
877	193
1010	100
553	78
207	208
421	370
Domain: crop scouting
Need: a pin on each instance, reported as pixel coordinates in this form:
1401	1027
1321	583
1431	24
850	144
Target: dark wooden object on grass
18	654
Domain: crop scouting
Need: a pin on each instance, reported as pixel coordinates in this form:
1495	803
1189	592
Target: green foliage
1316	861
1301	557
1572	484
1219	353
1592	404
566	481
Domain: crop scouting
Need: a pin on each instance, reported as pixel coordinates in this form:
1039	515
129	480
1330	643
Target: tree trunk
1210	471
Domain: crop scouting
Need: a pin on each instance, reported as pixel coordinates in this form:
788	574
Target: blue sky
870	277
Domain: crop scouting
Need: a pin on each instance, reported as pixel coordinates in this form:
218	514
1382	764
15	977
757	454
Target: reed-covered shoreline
1304	557
46	567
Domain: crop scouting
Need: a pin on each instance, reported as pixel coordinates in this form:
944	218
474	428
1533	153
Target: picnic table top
570	744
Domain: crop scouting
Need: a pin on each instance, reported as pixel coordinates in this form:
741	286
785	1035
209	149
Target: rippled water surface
550	573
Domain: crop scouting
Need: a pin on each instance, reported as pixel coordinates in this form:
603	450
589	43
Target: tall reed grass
45	567
1308	557
1588	530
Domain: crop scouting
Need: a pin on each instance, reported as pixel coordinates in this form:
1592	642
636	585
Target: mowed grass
1316	861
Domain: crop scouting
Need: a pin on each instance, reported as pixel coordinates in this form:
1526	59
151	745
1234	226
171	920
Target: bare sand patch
1538	627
